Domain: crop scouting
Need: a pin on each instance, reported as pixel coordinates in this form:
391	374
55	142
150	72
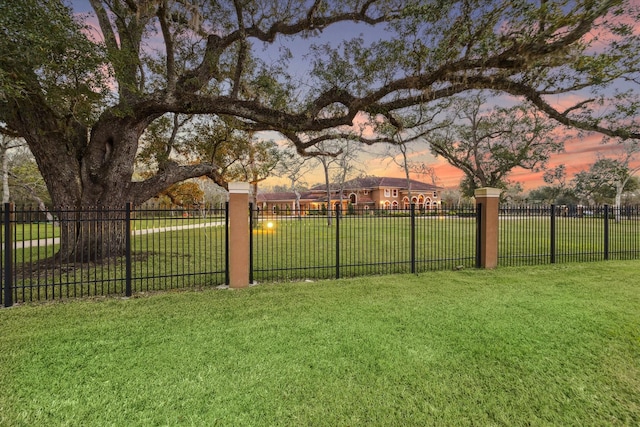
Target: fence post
413	238
488	200
337	240
606	232
239	234
8	255
553	234
127	243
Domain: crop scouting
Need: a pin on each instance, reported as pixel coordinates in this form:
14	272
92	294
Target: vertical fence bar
251	226
606	232
8	255
553	235
127	240
337	239
413	238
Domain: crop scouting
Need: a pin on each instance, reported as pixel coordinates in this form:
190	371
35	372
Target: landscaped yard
547	345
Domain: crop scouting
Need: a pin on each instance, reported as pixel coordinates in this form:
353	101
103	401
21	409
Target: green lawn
548	345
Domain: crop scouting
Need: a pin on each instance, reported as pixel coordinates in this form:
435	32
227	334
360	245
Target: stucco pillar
488	200
239	234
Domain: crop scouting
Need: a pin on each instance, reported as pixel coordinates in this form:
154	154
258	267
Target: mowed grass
548	345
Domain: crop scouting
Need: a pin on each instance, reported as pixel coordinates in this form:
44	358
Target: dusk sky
579	152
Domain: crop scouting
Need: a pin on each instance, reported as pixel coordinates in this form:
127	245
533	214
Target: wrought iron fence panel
524	235
555	234
178	247
104	251
446	238
292	245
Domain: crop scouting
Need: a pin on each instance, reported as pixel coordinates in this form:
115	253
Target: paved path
56	240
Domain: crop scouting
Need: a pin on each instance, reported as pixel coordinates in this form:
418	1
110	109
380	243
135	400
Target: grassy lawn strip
548	345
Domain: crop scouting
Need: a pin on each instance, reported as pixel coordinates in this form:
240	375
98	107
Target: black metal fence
558	234
68	253
358	242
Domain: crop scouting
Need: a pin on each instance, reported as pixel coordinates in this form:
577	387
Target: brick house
366	193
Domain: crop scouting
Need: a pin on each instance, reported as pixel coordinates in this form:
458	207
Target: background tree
557	180
184	194
556	191
82	100
7	143
326	159
604	182
487	146
25	181
345	167
294	168
337	159
255	164
513	193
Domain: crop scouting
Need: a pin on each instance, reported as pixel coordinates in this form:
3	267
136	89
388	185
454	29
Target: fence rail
68	254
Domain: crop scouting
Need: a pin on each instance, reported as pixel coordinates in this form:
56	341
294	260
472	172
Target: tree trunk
91	235
89	180
618	201
89	175
328	188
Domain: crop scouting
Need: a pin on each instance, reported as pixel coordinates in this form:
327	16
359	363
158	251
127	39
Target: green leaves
48	54
487	145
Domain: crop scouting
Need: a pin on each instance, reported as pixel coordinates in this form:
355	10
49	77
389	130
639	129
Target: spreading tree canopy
82	91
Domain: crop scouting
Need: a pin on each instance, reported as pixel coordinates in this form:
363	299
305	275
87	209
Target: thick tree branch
536	99
242	51
313	22
169	47
171	173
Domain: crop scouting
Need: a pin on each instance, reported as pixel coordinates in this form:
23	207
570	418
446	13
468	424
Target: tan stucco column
488	200
238	234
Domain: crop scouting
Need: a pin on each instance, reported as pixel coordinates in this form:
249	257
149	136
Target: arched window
394	205
353	199
386	204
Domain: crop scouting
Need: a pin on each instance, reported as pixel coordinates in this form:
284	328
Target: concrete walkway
56	240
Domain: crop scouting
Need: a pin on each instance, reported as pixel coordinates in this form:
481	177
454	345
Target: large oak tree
82	95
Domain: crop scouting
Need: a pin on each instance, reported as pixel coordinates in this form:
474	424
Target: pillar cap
238	188
487	192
